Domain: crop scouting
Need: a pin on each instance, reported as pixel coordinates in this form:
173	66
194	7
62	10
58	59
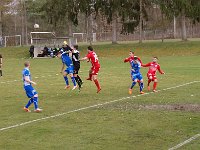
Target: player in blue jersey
66	60
30	91
136	75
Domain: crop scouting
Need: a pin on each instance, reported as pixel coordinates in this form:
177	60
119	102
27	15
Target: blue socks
133	84
35	101
66	80
73	80
141	86
29	103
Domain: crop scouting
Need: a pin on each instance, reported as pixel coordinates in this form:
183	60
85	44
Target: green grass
116	126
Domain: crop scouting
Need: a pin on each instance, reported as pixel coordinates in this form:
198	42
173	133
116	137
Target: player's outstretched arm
84	58
26	78
146	65
126	60
161	72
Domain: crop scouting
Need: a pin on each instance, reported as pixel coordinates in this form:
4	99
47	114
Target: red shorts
151	76
95	70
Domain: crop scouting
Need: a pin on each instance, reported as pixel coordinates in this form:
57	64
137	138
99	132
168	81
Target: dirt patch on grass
175	107
168	107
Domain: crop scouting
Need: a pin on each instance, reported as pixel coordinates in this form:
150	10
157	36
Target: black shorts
76	68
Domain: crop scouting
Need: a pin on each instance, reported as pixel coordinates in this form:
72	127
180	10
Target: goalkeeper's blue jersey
66	60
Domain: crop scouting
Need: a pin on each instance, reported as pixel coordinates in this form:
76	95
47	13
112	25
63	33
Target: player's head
90	48
76	47
0	56
131	53
155	59
27	64
135	58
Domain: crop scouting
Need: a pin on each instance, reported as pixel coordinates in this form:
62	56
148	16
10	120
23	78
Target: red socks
149	81
97	83
90	77
154	85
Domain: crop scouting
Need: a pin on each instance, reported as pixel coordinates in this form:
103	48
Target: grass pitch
133	123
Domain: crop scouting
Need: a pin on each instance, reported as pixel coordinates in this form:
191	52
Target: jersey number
95	57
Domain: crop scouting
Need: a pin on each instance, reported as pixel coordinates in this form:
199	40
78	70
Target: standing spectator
1	41
31	51
1	62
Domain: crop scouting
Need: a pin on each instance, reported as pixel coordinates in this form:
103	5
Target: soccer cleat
154	90
141	92
38	110
74	87
67	87
26	109
98	90
148	88
130	91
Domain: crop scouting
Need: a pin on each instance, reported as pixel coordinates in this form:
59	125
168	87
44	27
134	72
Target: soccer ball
36	26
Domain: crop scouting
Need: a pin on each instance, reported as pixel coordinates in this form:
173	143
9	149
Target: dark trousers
31	54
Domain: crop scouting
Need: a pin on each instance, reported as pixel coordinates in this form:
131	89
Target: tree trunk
70	32
163	28
183	26
1	25
140	23
174	27
114	29
90	29
22	23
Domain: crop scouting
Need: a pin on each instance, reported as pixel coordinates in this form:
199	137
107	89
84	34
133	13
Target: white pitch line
185	142
92	106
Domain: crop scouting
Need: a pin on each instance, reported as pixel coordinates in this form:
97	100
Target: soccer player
30	91
66	60
131	57
151	74
76	63
93	72
136	75
1	63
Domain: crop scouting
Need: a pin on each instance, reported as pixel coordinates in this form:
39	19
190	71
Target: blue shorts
30	91
70	70
136	76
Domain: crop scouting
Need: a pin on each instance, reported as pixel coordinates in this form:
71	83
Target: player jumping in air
153	67
92	57
66	60
135	74
30	91
76	63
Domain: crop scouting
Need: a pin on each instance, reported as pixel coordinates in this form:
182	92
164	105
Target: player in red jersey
131	57
92	57
151	74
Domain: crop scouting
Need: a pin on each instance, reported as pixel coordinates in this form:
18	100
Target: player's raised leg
90	75
73	81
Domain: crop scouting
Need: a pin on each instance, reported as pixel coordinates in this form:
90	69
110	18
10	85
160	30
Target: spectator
1	41
31	51
1	62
